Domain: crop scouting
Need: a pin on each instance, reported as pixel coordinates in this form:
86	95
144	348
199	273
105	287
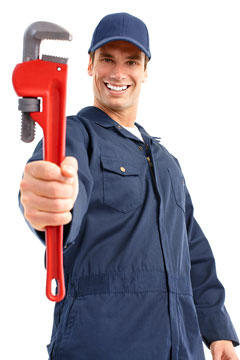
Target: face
118	73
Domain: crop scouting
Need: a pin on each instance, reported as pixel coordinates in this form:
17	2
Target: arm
76	146
208	292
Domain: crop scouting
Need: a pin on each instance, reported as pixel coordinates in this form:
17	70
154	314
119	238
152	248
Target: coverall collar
102	119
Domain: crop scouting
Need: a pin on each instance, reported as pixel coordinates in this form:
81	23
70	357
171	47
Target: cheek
98	78
96	81
138	78
139	82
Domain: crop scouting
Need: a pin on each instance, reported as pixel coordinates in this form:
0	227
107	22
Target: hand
48	192
223	350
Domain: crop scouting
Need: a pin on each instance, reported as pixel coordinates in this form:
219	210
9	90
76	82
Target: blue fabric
121	26
140	274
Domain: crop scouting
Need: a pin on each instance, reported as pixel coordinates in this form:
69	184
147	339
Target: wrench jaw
34	34
38	31
26	106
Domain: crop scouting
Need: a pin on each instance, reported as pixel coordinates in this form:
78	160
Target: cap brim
114	38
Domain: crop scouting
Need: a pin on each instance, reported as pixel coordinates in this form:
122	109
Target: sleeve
77	146
208	291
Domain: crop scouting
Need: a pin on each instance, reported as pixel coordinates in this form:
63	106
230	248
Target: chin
115	105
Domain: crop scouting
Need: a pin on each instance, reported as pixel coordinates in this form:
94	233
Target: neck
125	117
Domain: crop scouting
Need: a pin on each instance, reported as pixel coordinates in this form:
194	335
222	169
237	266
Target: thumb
69	166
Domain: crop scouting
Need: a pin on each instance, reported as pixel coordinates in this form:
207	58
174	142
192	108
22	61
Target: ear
90	67
145	76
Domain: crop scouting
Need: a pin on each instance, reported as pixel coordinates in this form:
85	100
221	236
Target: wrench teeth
59	37
56	59
28	128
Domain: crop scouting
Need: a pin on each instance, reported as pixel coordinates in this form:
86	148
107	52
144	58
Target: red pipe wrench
45	78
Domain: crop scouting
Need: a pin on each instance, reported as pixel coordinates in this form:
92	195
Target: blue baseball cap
121	26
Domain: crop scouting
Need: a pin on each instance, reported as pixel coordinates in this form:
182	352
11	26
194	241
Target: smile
116	88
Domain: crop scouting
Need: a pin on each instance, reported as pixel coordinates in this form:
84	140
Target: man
140	274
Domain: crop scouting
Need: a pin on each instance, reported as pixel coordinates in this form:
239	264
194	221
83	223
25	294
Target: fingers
44	170
48	192
49	189
69	166
39	220
44	204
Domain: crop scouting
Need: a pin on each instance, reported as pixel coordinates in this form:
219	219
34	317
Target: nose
118	73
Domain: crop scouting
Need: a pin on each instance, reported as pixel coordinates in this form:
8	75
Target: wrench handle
54	262
54	151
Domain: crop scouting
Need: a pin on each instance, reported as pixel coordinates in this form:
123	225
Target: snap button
119	126
122	169
140	147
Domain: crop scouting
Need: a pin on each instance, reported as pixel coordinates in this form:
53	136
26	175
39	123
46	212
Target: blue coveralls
140	274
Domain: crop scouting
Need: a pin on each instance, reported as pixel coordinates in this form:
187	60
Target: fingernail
69	169
69	180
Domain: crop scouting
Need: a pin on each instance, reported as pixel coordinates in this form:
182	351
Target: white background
191	100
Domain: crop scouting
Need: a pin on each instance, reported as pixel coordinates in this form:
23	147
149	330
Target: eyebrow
134	57
103	54
130	57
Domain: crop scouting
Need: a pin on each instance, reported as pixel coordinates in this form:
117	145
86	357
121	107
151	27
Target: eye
132	62
106	60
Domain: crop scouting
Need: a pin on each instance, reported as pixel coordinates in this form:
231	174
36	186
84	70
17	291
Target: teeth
117	88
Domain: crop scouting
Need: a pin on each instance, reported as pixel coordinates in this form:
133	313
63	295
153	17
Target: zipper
149	161
153	177
151	169
150	165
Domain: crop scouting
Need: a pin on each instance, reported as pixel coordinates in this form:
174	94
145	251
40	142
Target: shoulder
170	155
78	128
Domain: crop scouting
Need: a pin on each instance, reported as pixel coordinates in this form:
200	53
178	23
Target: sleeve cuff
217	327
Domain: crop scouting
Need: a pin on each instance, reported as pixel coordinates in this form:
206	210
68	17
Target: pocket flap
177	180
121	167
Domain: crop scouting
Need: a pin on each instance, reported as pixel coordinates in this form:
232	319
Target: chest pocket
122	184
177	182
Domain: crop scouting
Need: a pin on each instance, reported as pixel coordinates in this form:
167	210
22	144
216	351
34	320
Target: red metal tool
45	78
